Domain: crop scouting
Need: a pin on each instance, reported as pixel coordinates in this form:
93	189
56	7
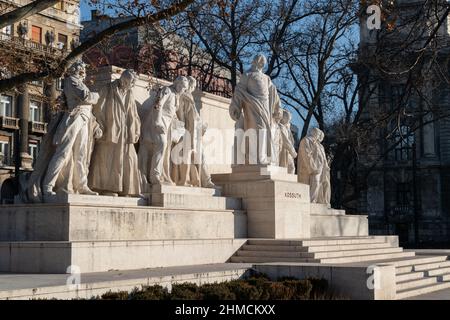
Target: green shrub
216	291
155	292
185	291
257	287
299	289
119	295
243	290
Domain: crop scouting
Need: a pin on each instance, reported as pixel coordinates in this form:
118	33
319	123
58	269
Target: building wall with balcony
25	110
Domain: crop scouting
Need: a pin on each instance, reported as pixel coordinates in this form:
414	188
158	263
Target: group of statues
256	106
102	143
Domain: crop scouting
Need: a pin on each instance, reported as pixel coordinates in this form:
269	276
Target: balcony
37	127
9	123
8	41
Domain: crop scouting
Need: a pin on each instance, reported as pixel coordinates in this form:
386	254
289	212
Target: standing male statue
258	98
158	117
287	149
114	164
313	168
189	167
72	137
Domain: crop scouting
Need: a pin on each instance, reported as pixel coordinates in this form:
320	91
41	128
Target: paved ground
16	281
26	285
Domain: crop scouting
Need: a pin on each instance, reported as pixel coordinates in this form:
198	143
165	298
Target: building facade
406	173
42	38
150	50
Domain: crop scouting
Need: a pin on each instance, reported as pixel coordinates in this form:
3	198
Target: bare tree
20	13
143	15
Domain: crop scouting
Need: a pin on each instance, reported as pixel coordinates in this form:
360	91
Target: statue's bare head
286	118
181	84
128	78
259	61
317	134
78	69
192	84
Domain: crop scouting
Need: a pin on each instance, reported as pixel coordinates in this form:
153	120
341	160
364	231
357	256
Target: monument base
101	233
277	205
99	256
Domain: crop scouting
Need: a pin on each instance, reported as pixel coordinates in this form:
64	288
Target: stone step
350	253
318	242
276	254
186	190
243	259
254	247
437	272
403	294
409	276
404	285
194	201
405	266
372	257
348	247
428	266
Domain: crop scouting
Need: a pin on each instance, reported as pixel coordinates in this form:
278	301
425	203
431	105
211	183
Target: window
35	111
404	141
60	5
33	150
6	32
62	41
36	34
403	194
5	149
60	84
6	106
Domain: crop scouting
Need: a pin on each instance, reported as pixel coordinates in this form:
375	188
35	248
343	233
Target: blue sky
85	10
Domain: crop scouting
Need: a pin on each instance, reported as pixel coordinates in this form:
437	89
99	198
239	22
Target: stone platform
98	233
278	207
192	198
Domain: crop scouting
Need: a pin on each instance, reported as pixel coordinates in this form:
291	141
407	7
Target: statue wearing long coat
313	168
114	163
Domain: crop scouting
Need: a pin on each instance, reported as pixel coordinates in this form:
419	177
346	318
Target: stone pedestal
100	233
277	205
192	198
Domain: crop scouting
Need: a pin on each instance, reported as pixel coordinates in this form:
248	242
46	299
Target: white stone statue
114	163
258	98
313	167
68	166
287	153
158	118
189	165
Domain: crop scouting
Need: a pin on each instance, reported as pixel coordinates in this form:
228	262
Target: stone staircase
327	251
415	275
422	275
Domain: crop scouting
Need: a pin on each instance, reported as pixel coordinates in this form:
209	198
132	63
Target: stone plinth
98	233
87	222
99	256
277	205
192	198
